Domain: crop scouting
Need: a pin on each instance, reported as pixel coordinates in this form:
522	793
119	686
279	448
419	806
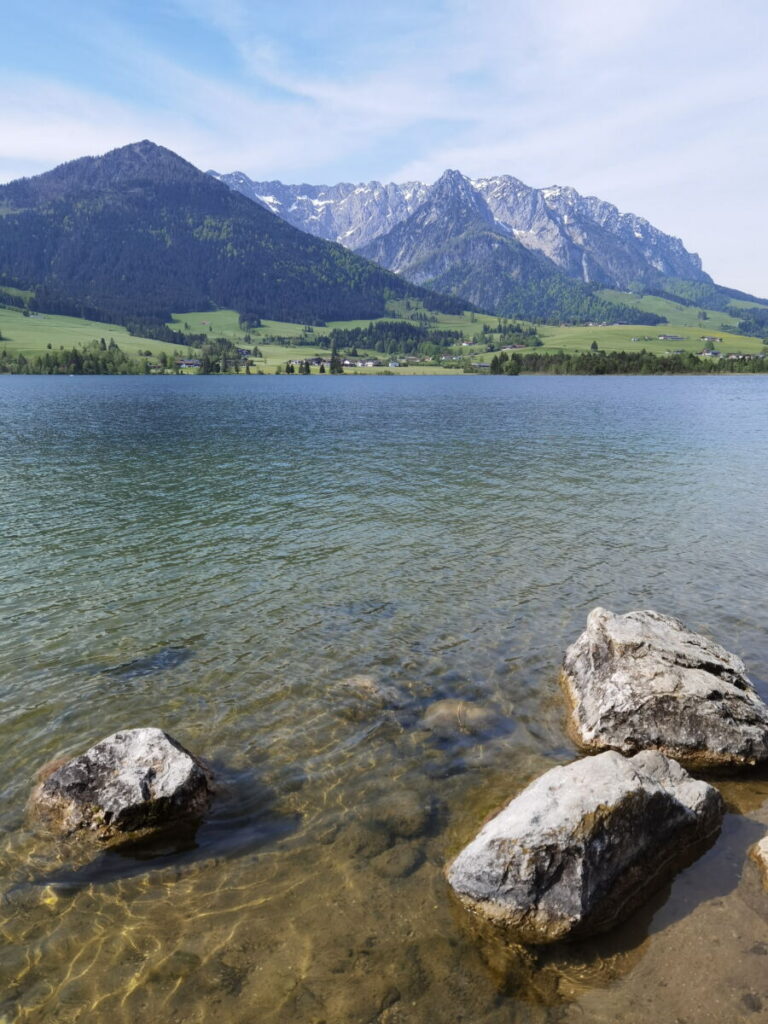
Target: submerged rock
584	845
450	716
404	812
398	862
160	660
135	780
642	681
372	690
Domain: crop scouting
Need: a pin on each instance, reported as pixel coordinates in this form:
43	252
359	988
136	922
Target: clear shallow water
288	575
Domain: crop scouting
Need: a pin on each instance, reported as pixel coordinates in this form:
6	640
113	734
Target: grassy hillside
676	312
31	335
619	339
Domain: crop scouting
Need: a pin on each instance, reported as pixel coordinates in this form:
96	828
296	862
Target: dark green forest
395	337
140	233
598	363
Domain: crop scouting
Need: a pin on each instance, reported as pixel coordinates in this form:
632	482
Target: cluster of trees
392	337
754	322
595	363
249	323
303	368
9	299
95	358
306	338
162	332
509	331
511	328
220	355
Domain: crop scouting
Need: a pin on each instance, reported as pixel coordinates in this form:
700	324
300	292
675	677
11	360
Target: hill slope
140	232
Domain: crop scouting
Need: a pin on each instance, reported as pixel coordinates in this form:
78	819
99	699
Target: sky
658	106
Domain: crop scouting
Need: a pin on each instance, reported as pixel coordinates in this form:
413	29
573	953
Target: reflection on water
352	597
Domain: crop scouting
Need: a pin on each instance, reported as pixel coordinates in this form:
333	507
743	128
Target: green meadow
33	334
620	339
676	312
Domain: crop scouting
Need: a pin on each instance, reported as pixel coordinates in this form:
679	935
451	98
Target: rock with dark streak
584	845
642	681
135	781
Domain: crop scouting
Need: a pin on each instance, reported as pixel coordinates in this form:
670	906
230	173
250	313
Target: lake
288	574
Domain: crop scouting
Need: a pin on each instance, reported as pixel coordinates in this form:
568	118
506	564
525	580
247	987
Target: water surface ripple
287	574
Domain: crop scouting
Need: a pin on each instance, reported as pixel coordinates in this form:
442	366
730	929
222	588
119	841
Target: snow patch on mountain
585	237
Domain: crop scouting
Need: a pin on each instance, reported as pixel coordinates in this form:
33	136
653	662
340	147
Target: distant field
31	335
619	339
224	323
676	312
745	304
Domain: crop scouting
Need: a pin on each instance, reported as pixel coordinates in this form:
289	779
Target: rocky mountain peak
453	197
584	237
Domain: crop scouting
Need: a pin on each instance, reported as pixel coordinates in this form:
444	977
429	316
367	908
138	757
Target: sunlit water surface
288	575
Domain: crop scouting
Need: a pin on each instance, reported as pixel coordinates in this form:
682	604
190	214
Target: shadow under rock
164	658
535	974
549	974
245	816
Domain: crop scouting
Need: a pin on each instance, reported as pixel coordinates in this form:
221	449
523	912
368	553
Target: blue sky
659	106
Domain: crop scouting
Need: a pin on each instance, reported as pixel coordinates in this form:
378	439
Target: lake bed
290	575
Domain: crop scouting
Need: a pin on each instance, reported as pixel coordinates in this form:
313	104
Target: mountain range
497	243
139	233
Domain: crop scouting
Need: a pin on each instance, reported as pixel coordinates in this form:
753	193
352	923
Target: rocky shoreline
580	848
584	846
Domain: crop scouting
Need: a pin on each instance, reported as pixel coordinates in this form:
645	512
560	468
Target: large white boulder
642	681
585	845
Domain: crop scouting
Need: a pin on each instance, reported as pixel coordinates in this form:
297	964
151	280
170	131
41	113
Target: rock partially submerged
137	780
759	854
584	845
642	681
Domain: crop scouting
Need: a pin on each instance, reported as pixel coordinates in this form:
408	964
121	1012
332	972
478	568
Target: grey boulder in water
642	681
135	781
584	845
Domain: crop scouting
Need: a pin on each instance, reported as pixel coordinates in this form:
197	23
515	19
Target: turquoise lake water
352	596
